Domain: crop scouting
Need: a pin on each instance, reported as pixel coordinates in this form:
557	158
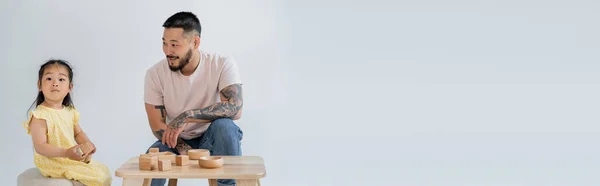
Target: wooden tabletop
234	167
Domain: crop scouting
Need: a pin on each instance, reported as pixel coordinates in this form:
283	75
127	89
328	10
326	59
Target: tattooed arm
230	106
157	118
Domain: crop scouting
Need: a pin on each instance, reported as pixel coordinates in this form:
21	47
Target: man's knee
161	147
226	128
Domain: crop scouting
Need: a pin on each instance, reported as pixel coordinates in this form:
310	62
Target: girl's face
55	83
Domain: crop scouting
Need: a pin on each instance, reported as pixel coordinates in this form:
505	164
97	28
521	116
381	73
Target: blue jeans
223	137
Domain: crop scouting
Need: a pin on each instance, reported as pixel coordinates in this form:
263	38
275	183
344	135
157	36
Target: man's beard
184	61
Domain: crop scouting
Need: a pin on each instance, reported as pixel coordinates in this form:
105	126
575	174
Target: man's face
177	47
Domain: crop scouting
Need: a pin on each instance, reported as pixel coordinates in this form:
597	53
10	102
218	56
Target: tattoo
182	147
159	133
178	121
162	111
226	109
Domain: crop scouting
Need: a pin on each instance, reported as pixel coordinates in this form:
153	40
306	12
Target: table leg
147	181
247	182
212	182
172	181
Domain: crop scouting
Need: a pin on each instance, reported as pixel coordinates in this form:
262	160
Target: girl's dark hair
40	97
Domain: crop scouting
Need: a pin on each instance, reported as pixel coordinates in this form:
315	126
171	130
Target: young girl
55	131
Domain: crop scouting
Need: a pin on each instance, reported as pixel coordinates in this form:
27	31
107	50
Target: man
192	97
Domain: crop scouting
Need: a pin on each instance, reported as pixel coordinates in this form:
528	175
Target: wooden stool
33	177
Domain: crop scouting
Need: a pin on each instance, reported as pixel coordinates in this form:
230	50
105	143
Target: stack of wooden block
155	160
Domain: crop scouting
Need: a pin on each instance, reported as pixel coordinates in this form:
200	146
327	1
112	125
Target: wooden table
247	170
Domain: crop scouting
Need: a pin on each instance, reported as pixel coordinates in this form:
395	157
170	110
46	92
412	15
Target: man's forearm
216	111
159	128
159	133
224	109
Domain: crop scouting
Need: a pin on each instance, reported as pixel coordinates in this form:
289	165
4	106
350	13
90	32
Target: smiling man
193	97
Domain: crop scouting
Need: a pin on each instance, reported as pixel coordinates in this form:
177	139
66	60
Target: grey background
427	92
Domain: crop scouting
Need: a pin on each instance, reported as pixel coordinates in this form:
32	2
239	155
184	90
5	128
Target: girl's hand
93	148
73	154
88	158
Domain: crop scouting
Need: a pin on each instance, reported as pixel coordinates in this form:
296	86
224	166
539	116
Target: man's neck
191	67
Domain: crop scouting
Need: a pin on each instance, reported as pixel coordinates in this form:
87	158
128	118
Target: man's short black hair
185	20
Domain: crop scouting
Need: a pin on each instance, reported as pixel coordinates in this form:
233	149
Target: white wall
417	93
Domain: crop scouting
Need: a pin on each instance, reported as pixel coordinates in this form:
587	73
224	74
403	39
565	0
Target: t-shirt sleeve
37	113
230	74
75	117
152	89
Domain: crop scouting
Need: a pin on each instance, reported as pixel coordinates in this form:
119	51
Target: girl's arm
39	137
81	138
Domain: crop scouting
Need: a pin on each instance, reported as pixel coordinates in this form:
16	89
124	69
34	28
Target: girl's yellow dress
60	124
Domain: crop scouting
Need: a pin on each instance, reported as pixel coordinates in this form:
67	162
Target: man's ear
196	42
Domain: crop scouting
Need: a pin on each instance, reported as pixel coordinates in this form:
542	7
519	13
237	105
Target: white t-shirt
179	93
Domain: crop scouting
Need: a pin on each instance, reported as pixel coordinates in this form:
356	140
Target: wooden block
145	166
86	148
161	153
153	150
164	165
148	162
79	152
164	153
195	154
145	162
182	160
170	157
154	163
88	158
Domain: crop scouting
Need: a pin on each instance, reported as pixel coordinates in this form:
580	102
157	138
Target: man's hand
174	128
171	134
